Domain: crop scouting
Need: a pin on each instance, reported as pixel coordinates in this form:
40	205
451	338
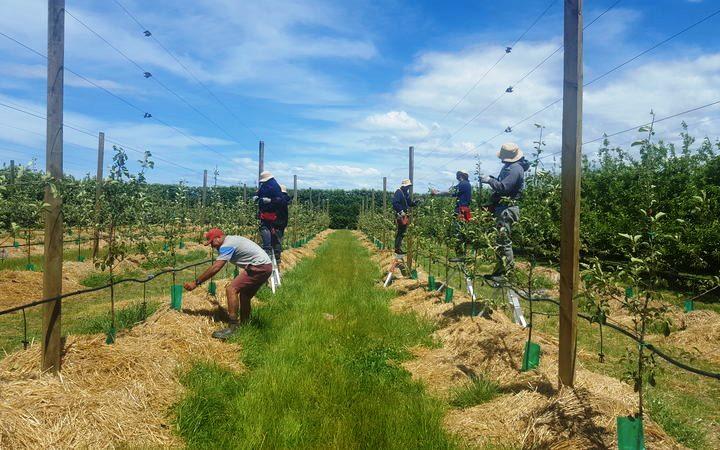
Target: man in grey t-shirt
245	254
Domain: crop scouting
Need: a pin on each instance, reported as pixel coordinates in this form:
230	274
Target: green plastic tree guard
531	357
448	294
80	258
212	288
165	247
110	337
16	244
431	283
30	267
414	274
629	292
689	306
630	433
182	244
176	297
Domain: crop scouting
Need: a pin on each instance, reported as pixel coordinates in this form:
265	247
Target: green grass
323	370
125	318
477	391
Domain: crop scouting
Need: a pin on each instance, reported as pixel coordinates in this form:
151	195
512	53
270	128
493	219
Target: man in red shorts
247	255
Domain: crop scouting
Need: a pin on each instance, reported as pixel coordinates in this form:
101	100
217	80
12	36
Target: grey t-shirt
242	252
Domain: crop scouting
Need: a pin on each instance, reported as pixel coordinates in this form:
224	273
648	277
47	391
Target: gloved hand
484	178
402	214
255	198
266	200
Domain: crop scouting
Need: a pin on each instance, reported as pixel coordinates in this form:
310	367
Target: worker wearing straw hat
507	189
245	254
268	197
401	203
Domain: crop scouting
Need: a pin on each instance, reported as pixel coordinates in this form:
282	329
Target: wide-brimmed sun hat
510	152
264	176
283	188
464	172
406	182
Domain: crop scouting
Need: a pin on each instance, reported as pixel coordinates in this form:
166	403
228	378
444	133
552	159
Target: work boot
225	333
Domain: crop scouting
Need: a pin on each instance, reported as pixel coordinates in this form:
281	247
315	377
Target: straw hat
283	188
264	176
406	182
510	152
464	172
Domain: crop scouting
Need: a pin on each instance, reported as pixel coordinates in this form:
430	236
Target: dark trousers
268	235
399	236
277	243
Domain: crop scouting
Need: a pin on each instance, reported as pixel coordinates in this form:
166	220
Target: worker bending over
245	254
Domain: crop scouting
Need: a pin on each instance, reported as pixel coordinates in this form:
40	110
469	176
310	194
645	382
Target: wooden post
204	189
295	193
261	160
570	173
384	210
53	257
372	200
411	175
98	191
12	171
311	199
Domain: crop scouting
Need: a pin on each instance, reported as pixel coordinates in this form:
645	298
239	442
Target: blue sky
339	90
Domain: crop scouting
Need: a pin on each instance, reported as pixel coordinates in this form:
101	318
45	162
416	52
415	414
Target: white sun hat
406	182
264	176
510	152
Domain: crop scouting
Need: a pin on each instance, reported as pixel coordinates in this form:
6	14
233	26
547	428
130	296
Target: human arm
203	277
510	183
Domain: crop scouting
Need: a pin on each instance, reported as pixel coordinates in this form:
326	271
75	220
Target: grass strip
323	370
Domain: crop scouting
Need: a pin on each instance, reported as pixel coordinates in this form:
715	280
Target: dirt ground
119	395
532	410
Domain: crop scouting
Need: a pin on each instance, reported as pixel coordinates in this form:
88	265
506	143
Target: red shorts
464	213
251	279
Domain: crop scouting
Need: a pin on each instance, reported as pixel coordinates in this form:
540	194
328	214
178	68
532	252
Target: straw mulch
120	395
532	411
21	286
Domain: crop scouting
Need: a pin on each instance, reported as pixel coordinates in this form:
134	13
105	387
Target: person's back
269	189
282	211
242	252
463	193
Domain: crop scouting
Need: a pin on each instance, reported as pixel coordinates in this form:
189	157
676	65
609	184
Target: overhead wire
509	89
90	133
603	75
505	53
148	33
127	102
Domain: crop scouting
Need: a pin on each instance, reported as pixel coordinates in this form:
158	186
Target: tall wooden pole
411	176
261	160
204	189
570	173
53	257
244	192
295	193
384	210
12	171
98	190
